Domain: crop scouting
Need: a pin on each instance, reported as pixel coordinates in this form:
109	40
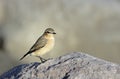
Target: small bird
43	45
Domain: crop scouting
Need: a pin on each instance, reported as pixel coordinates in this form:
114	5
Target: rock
71	66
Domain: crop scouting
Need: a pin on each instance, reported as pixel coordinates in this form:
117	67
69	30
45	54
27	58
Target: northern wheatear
43	45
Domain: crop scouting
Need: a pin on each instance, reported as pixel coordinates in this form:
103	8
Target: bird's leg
42	59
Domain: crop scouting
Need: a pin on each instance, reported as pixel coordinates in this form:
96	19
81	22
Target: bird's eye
48	32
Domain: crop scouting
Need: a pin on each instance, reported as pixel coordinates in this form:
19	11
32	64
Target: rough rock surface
71	66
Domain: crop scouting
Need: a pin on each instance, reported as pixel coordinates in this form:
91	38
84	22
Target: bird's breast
49	45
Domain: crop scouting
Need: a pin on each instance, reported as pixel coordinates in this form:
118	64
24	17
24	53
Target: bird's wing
41	42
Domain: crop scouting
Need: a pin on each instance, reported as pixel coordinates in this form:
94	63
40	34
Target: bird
43	45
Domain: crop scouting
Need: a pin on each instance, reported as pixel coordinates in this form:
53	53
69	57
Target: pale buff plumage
49	45
43	45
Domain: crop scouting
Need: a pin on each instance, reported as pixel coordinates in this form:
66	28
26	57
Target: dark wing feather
41	42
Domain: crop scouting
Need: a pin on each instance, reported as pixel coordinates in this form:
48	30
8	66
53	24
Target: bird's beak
54	33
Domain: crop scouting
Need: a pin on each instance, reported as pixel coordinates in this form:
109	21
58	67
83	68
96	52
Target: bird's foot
42	59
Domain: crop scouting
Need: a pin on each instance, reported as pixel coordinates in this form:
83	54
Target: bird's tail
24	56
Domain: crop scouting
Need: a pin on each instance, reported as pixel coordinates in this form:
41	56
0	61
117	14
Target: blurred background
89	26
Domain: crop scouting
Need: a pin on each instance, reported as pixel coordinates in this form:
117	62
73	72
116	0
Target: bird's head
49	31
